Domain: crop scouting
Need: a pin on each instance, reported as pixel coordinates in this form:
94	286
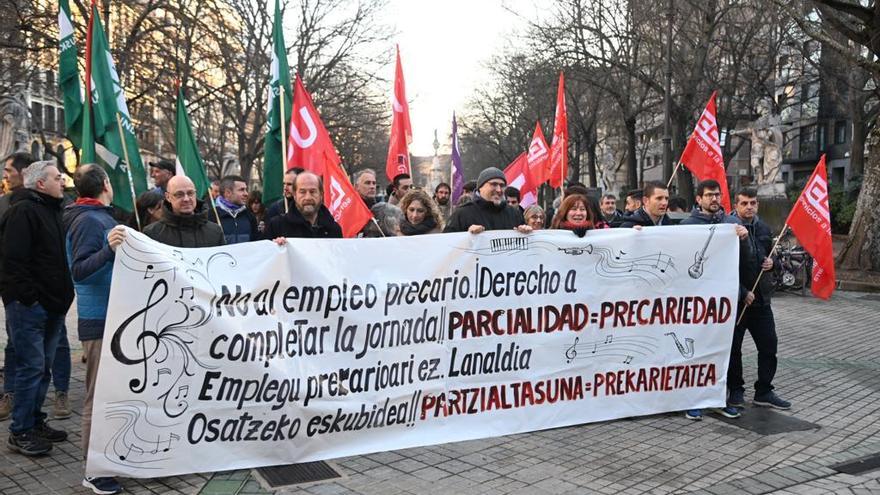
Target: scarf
427	225
230	208
89	202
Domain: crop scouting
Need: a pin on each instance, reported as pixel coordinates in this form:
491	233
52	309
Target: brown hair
568	203
422	197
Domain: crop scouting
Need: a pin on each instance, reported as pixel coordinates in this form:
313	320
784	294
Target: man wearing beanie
489	209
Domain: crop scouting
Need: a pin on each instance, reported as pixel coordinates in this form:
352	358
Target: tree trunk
857	152
862	248
632	179
574	172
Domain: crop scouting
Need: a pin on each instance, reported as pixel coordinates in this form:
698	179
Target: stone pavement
829	368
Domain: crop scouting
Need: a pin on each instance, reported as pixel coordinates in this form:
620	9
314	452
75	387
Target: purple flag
456	173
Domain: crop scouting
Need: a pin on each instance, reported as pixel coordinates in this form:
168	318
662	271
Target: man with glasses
708	212
184	223
489	209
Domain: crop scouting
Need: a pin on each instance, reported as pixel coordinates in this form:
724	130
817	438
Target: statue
15	121
766	135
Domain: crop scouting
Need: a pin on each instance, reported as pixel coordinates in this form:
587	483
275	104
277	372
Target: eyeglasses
184	194
712	194
496	184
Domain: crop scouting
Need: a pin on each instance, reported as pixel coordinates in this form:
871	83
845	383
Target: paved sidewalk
829	368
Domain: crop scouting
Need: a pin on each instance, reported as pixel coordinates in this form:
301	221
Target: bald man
184	223
309	217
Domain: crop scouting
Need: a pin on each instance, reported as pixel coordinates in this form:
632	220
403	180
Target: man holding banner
489	209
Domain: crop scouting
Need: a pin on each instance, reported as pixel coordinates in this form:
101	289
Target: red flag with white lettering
309	146
519	176
702	155
401	130
559	147
810	220
538	157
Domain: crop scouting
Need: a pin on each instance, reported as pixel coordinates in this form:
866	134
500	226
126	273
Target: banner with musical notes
257	354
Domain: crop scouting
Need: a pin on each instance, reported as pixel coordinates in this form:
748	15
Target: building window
50	83
36	116
62	125
50	118
807	141
840	132
823	136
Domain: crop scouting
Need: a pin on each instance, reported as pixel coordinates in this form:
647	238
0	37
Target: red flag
309	146
702	155
539	165
559	147
401	130
519	176
810	221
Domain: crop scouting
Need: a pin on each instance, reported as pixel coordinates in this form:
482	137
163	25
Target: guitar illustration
696	270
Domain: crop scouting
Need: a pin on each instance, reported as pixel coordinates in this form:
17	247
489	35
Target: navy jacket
91	264
238	226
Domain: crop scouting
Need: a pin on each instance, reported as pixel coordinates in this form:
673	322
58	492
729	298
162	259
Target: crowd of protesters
52	248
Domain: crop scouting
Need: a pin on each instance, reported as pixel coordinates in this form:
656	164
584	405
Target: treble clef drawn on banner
571	352
696	270
145	337
686	349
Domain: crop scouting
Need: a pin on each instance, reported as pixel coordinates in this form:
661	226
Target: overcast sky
443	45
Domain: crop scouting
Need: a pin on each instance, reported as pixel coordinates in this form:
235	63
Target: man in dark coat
758	317
489	209
708	212
655	199
308	218
37	292
184	223
237	220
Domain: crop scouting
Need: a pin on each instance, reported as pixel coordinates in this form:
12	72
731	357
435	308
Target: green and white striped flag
68	76
101	140
273	161
188	159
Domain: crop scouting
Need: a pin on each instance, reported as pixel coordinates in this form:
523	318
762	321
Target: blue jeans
60	367
35	337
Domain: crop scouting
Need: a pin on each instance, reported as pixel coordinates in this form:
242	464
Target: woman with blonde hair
534	217
421	215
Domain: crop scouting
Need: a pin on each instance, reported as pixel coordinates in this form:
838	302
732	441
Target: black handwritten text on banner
257	354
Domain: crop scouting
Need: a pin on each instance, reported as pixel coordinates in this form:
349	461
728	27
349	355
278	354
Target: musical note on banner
628	359
128	453
160	372
609	339
189	290
147	272
182	389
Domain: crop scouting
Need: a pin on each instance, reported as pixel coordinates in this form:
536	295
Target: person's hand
115	236
476	229
281	241
767	265
750	298
741	232
523	229
637	227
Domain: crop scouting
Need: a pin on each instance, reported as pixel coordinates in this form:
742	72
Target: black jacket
761	241
185	231
485	213
34	258
295	225
641	217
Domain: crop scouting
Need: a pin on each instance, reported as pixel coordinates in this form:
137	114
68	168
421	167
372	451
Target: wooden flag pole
214	207
137	217
672	177
283	147
755	285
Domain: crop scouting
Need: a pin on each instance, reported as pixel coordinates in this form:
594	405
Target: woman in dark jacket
420	214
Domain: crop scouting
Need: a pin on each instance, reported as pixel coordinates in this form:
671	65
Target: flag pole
214	207
128	171
755	285
283	147
672	177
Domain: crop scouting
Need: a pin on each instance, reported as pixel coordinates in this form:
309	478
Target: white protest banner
256	354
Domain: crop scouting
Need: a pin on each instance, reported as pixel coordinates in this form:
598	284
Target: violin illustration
696	270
